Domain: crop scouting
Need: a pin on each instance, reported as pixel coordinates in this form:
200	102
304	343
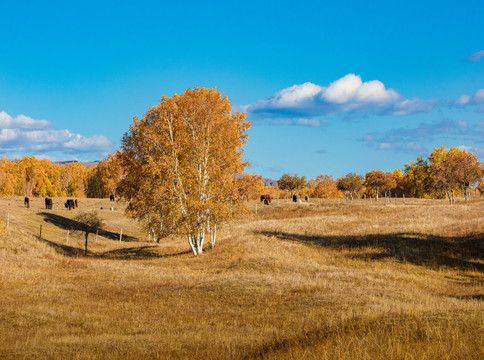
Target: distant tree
7	180
249	186
454	169
180	163
103	179
401	187
351	185
292	183
377	181
418	178
87	222
323	187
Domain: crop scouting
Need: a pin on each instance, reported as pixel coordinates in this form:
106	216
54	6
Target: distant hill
269	182
87	164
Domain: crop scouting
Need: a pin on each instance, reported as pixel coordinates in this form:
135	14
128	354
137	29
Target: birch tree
180	163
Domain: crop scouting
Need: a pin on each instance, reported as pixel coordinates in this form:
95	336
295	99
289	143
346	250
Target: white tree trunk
196	243
213	234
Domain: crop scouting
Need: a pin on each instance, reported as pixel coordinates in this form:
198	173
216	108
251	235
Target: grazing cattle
266	199
48	203
306	198
27	202
70	204
111	197
294	198
75	202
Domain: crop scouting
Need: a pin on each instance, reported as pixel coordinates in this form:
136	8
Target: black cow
75	202
70	204
294	198
111	197
306	198
27	202
266	199
48	203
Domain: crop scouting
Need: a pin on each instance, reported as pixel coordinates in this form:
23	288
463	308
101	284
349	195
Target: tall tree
180	163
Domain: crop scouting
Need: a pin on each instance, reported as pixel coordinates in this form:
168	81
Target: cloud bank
23	134
347	94
413	139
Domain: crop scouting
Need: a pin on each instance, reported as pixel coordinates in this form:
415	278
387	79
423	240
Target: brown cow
70	204
266	199
111	197
27	202
48	203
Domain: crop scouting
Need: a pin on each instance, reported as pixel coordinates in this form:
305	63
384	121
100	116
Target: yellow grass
335	280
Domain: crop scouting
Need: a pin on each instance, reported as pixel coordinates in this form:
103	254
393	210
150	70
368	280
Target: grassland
330	279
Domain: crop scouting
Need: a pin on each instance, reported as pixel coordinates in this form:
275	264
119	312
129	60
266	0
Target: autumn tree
418	178
249	186
323	187
401	186
180	163
454	169
377	181
292	183
7	180
351	185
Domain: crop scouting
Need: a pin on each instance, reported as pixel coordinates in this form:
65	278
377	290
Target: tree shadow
419	249
63	249
133	253
70	224
137	253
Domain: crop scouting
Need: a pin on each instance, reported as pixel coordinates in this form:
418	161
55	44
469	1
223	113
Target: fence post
97	231
67	239
121	235
40	236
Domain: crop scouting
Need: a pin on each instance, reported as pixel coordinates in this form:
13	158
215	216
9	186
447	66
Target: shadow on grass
419	249
132	253
137	253
70	224
63	249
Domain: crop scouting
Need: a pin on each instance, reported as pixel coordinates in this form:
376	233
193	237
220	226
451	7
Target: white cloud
464	148
351	90
476	57
463	100
23	134
476	99
347	94
21	122
309	122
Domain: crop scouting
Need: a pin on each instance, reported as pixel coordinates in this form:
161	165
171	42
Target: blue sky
330	87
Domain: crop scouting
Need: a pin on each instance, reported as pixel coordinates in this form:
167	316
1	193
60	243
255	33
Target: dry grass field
324	280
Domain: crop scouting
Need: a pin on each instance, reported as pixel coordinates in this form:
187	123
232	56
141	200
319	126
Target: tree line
445	173
30	176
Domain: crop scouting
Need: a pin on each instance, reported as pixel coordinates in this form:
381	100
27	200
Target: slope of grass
298	281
